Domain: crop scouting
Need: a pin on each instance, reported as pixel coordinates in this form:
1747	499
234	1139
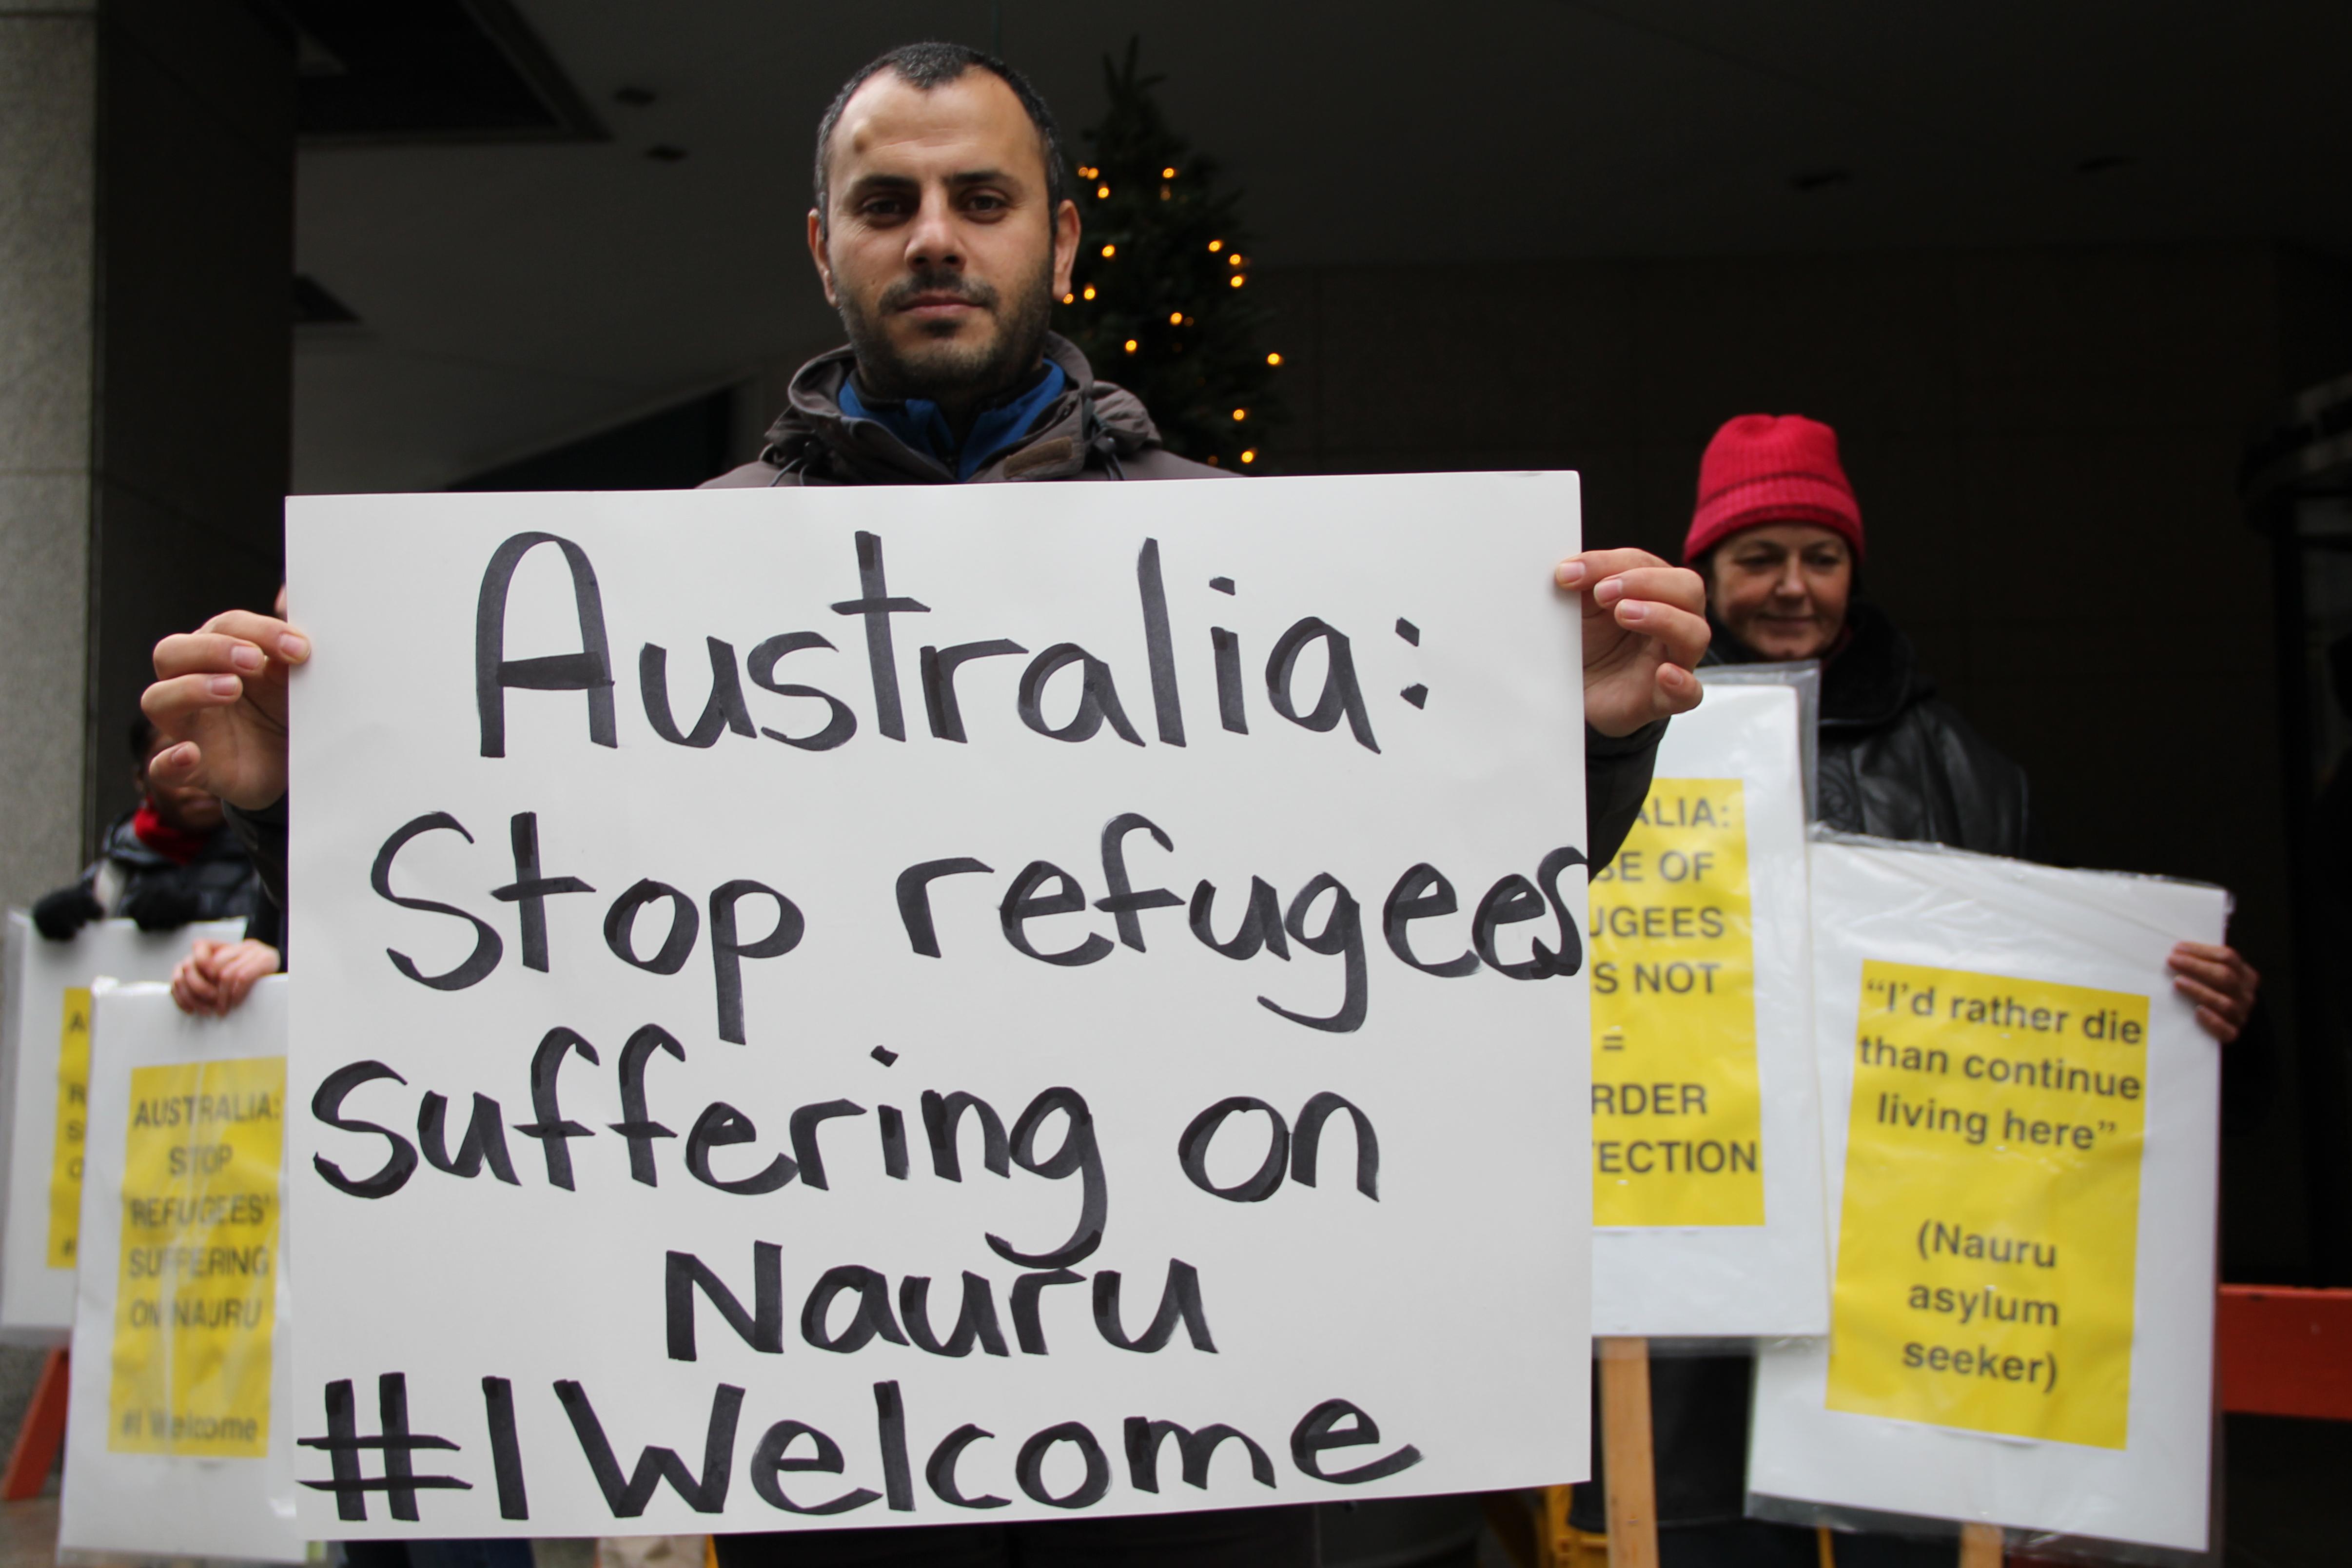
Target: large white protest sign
832	1007
2021	1127
177	1441
45	1071
1706	1120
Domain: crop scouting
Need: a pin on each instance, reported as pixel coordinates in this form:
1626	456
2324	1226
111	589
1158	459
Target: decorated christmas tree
1160	300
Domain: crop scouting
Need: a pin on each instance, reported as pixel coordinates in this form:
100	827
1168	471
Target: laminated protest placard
842	1007
177	1438
2022	1120
1707	1180
45	1069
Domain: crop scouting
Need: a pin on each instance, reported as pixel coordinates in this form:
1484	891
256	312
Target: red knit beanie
1765	468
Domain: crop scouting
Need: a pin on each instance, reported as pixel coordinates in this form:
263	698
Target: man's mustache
903	292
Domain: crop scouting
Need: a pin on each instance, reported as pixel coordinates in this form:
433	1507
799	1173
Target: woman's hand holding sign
1644	630
2219	982
220	693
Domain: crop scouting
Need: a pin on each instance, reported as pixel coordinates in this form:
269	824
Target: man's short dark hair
930	66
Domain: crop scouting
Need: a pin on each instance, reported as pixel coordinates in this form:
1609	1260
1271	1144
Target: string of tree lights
1159	301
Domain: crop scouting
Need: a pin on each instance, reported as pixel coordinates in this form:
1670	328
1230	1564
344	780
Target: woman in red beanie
1777	538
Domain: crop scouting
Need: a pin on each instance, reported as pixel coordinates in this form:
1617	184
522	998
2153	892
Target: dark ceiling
513	294
385	71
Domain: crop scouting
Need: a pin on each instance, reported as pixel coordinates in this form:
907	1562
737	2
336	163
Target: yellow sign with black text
195	1298
73	1118
1677	1134
1989	1232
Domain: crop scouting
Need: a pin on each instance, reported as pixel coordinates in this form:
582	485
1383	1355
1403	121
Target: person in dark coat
168	863
1777	535
163	864
942	234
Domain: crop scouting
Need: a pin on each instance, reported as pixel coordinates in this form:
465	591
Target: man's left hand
1644	631
2219	982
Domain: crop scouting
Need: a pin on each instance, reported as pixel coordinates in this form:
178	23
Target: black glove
60	914
161	906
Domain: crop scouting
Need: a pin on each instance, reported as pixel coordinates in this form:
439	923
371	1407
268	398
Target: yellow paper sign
73	1097
195	1297
1677	1119
1989	1228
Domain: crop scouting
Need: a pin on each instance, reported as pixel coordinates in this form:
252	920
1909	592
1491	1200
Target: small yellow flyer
1987	1239
1678	1115
73	1123
196	1296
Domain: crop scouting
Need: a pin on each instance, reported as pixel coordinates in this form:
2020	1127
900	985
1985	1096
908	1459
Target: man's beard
953	369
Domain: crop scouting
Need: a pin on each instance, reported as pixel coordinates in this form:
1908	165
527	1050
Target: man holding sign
942	238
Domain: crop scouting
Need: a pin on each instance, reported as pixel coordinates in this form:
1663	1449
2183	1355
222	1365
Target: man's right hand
220	694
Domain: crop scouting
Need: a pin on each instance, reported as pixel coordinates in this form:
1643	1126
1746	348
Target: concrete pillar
146	206
146	223
48	239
